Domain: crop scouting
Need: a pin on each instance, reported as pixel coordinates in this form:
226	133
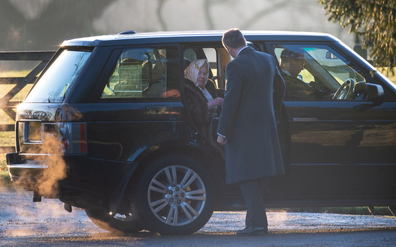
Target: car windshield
53	85
340	68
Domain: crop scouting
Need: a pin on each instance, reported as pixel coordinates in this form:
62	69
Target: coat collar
247	49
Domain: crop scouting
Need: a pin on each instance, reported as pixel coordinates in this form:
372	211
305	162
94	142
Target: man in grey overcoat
247	124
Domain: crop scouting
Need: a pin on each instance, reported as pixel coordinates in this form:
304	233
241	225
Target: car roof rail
127	32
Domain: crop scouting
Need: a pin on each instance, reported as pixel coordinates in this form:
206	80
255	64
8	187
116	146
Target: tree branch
207	6
159	14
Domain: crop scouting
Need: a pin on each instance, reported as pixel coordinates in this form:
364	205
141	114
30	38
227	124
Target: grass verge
4	176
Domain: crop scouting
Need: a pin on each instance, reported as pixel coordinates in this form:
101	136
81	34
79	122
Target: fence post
6	104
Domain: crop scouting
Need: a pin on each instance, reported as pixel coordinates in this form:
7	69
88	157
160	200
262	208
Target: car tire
116	223
174	195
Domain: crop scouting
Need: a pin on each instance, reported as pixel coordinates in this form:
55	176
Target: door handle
305	119
157	110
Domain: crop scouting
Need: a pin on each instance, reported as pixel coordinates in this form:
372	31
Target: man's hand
221	140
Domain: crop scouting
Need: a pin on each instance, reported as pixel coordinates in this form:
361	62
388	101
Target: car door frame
334	181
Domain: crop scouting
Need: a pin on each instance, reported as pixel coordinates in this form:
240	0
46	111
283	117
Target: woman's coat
196	106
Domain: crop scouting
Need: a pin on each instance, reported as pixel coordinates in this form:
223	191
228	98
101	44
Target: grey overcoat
254	88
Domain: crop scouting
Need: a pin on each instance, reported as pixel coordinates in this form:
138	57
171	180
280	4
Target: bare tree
208	4
249	22
159	14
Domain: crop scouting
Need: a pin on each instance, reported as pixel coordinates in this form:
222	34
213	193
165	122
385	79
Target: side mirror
375	93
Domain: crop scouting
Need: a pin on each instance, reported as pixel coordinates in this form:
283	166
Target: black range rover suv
104	129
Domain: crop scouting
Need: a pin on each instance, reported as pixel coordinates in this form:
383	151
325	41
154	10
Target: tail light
64	144
40	137
73	137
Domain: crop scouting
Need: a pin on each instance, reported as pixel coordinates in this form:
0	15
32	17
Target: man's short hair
233	38
288	55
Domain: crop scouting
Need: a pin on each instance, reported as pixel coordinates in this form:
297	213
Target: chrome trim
33	154
305	119
24	120
29	166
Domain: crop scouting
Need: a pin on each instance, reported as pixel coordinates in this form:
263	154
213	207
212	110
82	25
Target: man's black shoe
251	230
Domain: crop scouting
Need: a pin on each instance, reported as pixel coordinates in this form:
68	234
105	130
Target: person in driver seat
291	64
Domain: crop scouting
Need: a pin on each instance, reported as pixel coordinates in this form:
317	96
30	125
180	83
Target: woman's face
202	76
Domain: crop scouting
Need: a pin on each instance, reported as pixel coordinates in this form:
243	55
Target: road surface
24	223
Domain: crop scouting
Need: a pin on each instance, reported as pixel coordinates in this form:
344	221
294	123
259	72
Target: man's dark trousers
255	216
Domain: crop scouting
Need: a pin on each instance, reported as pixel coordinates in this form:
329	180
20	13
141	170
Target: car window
56	80
145	73
317	72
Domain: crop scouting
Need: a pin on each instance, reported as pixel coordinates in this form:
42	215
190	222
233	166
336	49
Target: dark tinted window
143	73
54	84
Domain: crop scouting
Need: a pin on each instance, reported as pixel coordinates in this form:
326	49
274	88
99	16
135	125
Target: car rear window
55	82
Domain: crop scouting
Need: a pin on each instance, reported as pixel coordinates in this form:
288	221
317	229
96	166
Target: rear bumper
29	170
15	161
24	168
68	175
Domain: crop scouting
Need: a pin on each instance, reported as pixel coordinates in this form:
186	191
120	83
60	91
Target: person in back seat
201	97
